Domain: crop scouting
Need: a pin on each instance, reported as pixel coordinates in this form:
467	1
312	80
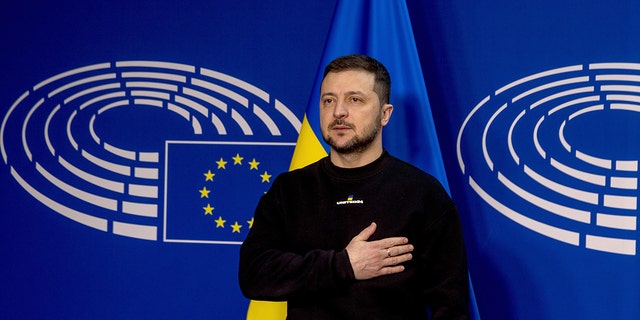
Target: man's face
350	112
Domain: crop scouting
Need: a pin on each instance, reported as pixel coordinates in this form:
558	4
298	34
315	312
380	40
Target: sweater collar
363	172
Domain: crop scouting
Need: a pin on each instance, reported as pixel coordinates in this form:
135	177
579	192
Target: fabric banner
536	108
382	30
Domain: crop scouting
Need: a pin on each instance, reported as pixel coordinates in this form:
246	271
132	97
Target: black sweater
295	250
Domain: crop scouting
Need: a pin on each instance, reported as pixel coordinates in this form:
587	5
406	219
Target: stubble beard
357	144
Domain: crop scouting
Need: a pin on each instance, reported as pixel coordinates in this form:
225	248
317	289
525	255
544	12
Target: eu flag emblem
212	188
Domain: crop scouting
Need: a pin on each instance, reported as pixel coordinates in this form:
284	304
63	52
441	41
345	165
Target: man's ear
387	109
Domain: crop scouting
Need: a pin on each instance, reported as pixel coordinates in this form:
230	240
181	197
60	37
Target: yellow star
236	227
208	209
220	222
221	163
209	176
204	193
250	222
253	164
265	177
237	159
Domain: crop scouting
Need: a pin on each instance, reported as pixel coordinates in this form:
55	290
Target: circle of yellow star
221	163
265	177
250	222
253	164
220	222
204	193
236	227
209	176
237	159
208	209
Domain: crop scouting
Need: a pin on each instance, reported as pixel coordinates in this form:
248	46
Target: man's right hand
370	259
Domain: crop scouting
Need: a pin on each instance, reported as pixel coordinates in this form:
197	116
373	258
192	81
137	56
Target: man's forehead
349	81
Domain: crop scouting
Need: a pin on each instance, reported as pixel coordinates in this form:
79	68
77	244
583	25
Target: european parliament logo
557	153
149	150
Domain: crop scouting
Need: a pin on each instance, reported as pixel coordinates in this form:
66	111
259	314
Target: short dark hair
382	82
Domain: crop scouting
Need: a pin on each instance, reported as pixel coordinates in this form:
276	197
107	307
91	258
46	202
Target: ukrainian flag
381	29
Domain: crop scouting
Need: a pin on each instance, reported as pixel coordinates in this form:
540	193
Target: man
358	234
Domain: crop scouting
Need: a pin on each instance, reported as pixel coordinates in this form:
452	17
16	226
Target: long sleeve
270	267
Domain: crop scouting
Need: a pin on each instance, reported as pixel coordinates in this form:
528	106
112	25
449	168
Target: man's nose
340	111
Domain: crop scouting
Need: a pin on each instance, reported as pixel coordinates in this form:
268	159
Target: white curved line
180	111
155	75
207	98
236	82
627	183
113	105
118	94
25	144
91	198
616	221
195	124
144	191
559	234
198	107
574	102
485	150
581	195
617	77
289	115
539	75
114	186
218	124
109	76
613	245
623	97
246	129
620	202
152	85
148	102
131	155
4	123
562	94
151	94
586	110
627	165
558	209
563	140
598	162
625	106
512	150
138	231
464	125
69	134
157	64
145	173
70	73
92	130
47	139
614	65
221	90
92	90
140	209
592	178
550	85
117	168
625	88
537	144
148	156
80	217
273	128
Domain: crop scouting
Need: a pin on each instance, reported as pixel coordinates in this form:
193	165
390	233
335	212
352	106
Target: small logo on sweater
350	200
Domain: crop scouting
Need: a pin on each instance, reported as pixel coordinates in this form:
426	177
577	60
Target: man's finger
366	232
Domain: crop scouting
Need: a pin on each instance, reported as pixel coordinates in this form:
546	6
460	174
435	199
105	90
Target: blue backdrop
137	135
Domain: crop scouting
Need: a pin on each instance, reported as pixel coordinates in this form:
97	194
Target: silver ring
388	253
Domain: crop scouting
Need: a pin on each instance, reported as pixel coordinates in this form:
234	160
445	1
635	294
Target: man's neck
355	159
